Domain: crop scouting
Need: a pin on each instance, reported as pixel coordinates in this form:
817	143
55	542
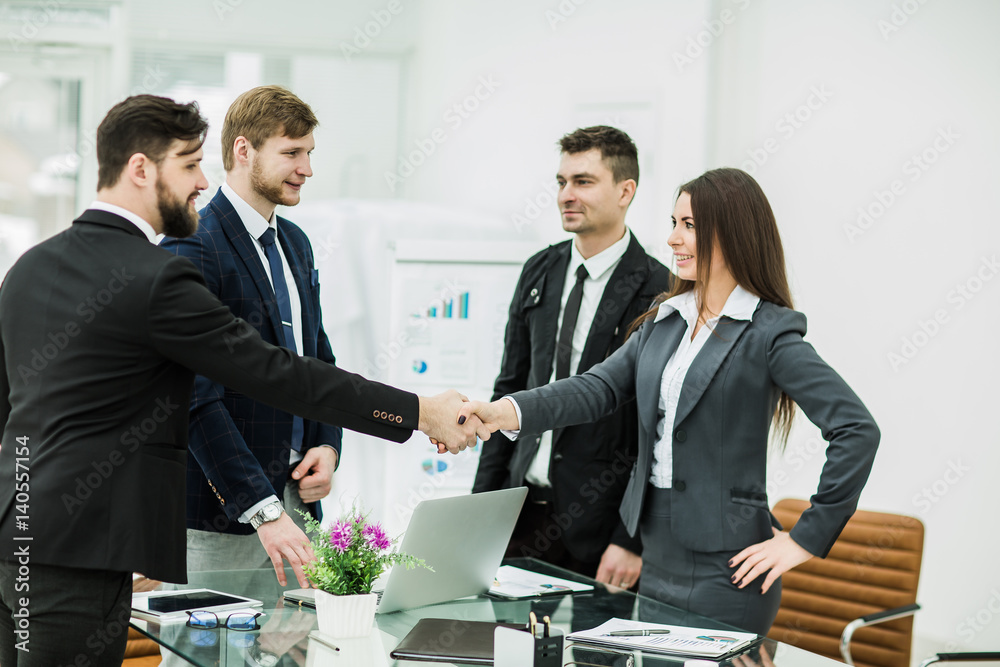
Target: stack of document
626	635
513	583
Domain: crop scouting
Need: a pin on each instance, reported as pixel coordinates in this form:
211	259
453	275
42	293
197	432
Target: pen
532	623
548	625
323	640
636	633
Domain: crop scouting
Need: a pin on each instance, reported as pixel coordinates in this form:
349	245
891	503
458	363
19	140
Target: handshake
453	422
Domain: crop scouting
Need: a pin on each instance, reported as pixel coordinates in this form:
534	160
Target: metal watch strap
260	518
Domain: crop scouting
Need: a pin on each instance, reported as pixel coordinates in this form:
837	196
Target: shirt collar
143	226
255	223
740	305
603	261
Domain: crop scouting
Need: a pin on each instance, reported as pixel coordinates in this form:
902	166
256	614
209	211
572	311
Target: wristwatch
266	514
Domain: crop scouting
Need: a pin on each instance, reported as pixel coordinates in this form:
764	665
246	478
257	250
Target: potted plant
350	555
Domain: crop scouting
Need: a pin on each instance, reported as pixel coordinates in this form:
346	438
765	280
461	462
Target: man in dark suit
101	333
249	459
571	309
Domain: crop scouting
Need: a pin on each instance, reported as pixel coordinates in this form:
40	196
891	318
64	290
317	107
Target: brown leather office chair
830	605
141	651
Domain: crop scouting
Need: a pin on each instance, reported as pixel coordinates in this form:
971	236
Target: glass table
283	639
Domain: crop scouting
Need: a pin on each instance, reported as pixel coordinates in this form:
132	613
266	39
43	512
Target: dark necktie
564	348
271	251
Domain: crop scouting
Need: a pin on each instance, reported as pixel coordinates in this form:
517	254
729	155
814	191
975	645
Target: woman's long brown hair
730	209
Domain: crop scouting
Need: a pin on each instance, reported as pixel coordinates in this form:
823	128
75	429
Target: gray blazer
719	499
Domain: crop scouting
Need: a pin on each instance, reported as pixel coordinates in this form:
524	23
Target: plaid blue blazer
239	447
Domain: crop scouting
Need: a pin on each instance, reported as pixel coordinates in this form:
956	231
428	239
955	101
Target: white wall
869	286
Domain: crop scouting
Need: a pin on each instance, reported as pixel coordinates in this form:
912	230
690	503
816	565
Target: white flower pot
345	615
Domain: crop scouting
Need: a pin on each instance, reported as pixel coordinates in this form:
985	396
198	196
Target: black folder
450	640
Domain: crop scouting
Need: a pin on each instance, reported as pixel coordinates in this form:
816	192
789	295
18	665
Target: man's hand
619	567
315	473
282	539
498	415
440	421
779	555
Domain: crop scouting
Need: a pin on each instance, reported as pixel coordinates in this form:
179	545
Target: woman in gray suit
717	364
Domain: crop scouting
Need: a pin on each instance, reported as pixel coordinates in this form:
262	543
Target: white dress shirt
256	225
739	306
143	226
600	267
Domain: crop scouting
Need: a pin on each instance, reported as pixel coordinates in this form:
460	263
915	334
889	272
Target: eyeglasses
239	620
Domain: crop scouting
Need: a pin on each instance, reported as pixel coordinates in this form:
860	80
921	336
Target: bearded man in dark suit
101	334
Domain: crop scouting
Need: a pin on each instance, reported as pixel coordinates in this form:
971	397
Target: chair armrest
871	619
962	657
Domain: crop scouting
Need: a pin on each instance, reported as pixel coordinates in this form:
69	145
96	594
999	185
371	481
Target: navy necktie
564	349
272	252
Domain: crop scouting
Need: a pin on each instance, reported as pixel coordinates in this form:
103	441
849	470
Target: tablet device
174	605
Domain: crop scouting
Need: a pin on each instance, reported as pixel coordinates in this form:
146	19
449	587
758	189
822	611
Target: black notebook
449	640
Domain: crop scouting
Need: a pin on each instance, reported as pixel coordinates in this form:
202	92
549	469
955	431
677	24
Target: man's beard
178	219
272	192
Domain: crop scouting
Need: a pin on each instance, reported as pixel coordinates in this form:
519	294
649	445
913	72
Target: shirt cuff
245	517
512	435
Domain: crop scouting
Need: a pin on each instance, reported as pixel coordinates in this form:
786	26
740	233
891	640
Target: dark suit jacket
239	446
718	498
590	463
101	333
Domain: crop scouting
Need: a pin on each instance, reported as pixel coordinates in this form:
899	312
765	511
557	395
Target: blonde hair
261	113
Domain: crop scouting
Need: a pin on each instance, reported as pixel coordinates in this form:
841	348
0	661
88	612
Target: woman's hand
779	555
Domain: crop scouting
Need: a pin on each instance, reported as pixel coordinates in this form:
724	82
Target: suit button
391	416
382	416
375	414
680	436
557	457
399	419
680	486
534	291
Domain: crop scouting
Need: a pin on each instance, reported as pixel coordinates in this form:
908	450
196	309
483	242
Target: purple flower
376	537
340	536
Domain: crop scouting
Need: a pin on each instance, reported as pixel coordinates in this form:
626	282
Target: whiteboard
449	304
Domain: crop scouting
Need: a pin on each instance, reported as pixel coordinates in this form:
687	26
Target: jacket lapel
303	276
628	276
663	341
553	281
705	366
239	237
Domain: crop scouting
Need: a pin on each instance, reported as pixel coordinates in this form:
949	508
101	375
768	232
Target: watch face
272	512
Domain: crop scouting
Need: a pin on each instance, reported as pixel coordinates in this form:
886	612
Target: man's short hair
145	124
618	151
261	113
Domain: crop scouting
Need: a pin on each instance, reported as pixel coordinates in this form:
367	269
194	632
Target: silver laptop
463	538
